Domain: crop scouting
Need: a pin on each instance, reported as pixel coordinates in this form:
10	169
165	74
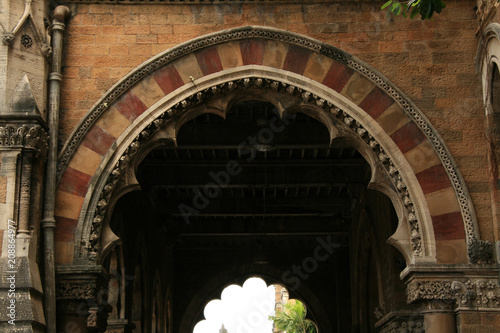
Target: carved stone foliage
477	293
24	136
480	251
75	291
404	326
472	293
265	84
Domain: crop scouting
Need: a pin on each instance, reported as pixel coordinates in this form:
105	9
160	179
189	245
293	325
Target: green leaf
386	4
414	12
404	10
396	8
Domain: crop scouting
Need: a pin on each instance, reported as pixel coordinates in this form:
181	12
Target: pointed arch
437	220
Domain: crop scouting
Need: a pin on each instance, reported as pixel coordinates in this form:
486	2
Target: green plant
292	319
412	8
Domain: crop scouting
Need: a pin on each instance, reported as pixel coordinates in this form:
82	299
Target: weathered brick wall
473	322
432	62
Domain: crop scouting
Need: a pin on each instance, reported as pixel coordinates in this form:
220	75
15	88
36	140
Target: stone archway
325	74
409	161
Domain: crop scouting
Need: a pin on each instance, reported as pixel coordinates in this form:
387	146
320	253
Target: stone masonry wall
432	62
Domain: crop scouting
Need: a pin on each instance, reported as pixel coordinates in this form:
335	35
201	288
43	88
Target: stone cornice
440	272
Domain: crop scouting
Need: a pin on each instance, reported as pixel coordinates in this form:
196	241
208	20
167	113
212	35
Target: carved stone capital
24	136
450	294
436	305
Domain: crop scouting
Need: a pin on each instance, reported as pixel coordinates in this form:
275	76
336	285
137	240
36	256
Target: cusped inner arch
402	139
288	100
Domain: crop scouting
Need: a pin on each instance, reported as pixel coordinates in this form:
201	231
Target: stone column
23	144
439	316
81	299
437	302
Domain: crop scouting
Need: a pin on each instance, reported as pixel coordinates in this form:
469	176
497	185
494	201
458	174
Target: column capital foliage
24	136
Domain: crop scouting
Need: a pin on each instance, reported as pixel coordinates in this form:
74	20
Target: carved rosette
265	84
480	251
26	137
469	294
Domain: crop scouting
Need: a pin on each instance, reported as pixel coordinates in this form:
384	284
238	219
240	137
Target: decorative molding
415	325
24	136
437	305
429	290
472	293
477	293
270	33
265	84
75	291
